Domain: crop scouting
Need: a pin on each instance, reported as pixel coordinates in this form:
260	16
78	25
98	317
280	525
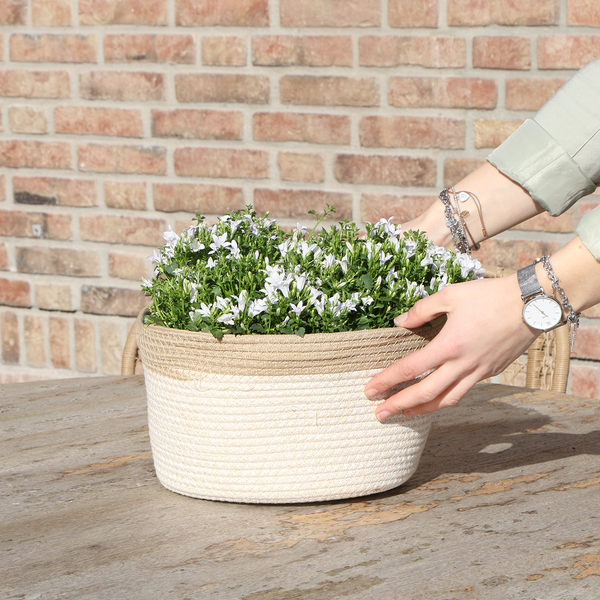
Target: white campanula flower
204	310
344	264
367	300
328	261
410	247
383	257
196	245
219	241
284	247
297	308
258	306
227	319
210	263
300	279
170	237
468	264
234	251
388	227
146	282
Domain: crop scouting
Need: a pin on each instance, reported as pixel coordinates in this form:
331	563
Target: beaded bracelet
456	225
572	314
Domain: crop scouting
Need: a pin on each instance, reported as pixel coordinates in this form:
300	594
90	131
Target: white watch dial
542	313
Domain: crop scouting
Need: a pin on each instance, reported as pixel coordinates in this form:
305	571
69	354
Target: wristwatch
540	311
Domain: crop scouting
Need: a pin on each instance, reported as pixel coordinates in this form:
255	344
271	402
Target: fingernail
410	413
383	415
371	393
400	319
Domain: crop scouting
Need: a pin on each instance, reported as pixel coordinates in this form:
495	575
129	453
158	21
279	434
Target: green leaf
171	268
300	331
367	280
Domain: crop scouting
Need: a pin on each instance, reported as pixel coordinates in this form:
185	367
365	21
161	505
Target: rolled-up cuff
587	230
535	160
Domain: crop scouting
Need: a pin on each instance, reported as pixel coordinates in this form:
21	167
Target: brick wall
122	117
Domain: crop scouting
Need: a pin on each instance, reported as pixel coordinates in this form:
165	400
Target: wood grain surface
504	505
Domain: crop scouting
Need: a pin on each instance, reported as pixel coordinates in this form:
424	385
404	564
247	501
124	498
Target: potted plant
258	343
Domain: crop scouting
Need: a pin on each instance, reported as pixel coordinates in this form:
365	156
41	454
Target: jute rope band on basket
276	418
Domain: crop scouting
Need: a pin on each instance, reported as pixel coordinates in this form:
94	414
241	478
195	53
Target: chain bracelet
572	314
459	237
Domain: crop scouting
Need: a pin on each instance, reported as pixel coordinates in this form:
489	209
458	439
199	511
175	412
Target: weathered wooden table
505	504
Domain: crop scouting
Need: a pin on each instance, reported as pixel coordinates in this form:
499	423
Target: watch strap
528	282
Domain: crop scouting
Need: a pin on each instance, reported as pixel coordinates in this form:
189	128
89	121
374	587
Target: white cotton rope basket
276	418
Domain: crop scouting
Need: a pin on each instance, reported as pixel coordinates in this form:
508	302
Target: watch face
542	313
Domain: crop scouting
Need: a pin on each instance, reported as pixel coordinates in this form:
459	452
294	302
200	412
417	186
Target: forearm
503	202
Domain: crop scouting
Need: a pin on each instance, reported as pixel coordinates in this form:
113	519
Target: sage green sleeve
555	155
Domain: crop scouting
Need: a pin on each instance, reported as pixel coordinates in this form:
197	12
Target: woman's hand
484	333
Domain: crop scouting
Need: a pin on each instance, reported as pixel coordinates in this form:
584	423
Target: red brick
53	296
456	169
52	190
329	91
226	51
122	159
403	208
294	166
58	261
124	302
297	203
408	13
35	344
583	381
306	51
128	265
122	229
51	13
490	133
221	162
206	199
513	254
583	12
53	48
35	155
502	12
2	188
567	52
333	13
35	84
114	85
412	132
502	52
86	120
544	222
9	327
530	94
395	51
60	350
13	12
52	226
15	293
587	342
110	347
203	87
385	170
27	119
85	346
3	257
297	127
123	12
125	194
198	124
224	13
170	49
444	92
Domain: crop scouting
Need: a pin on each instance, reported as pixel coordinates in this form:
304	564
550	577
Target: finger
407	368
442	388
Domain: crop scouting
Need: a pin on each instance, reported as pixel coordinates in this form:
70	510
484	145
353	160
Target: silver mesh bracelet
456	226
572	314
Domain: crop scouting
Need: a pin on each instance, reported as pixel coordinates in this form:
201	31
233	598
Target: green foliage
245	275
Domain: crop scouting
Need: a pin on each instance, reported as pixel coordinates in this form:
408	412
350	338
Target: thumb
423	311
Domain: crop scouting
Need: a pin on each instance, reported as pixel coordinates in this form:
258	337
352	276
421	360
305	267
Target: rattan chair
544	367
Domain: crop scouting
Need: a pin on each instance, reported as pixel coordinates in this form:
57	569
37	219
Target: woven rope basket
276	418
